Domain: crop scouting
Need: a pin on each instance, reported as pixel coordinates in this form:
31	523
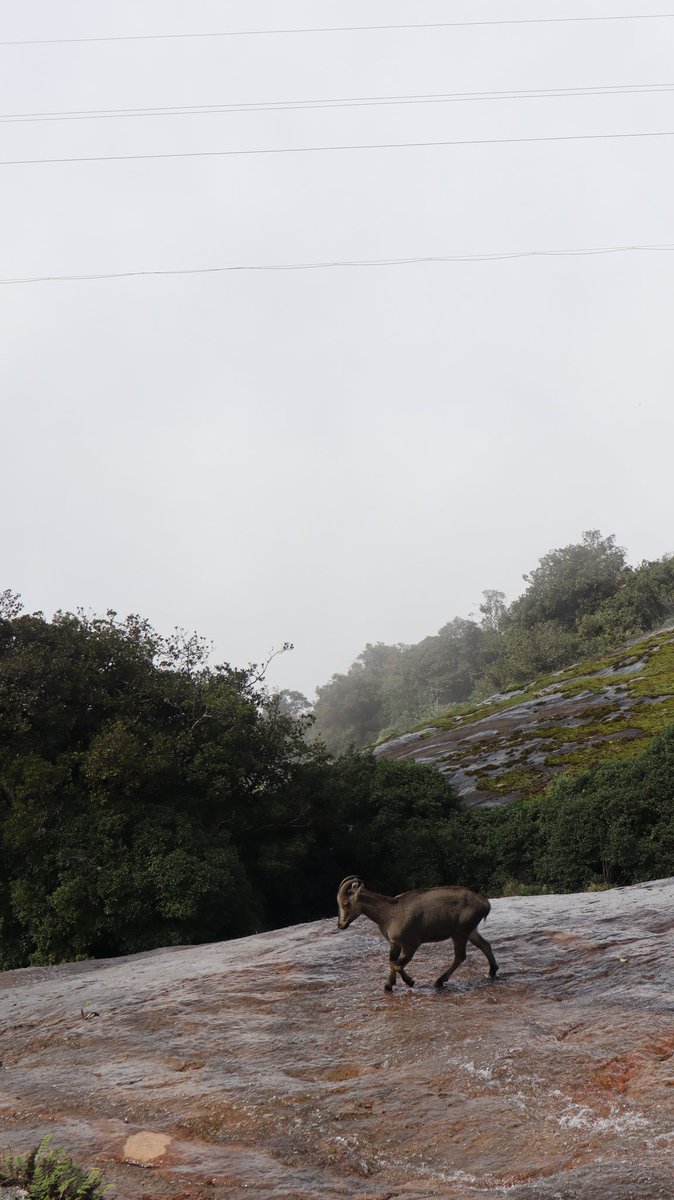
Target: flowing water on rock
276	1066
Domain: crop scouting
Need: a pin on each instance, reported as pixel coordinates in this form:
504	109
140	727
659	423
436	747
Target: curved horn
350	884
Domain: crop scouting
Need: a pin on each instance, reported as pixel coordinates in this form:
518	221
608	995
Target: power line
496	256
512	141
622	89
230	33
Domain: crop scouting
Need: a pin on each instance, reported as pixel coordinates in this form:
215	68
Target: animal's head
348	898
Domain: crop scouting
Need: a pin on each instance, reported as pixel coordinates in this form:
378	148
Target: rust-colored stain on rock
276	1067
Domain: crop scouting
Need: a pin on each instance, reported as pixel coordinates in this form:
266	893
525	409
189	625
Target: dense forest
148	798
580	600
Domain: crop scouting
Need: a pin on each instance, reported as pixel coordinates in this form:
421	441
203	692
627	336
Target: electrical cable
626	89
230	33
512	141
496	256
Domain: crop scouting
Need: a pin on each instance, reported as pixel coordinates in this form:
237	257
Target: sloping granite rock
513	745
275	1066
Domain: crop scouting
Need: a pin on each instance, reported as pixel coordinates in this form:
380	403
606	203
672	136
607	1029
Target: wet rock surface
276	1065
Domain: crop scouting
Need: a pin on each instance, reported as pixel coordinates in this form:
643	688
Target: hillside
149	800
276	1066
582	601
512	745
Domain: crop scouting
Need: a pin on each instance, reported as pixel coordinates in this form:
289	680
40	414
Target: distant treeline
580	600
148	799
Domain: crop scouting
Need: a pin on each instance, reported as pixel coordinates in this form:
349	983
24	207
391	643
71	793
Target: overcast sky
339	456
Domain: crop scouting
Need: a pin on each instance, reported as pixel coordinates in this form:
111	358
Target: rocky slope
512	745
275	1066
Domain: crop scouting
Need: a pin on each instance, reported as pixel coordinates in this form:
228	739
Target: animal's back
435	914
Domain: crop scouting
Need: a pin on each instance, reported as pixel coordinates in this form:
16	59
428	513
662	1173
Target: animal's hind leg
459	956
392	972
483	945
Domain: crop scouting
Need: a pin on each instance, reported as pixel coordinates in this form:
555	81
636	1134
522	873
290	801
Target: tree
292	703
494	610
571	581
645	598
351	709
134	781
10	605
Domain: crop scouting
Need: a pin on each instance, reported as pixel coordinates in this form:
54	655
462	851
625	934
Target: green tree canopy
571	581
133	779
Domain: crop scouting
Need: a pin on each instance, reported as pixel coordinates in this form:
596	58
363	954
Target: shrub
50	1175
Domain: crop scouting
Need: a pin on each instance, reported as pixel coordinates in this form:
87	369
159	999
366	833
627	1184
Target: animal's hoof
410	983
439	985
493	971
388	987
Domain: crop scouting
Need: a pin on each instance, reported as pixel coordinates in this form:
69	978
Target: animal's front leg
397	963
401	964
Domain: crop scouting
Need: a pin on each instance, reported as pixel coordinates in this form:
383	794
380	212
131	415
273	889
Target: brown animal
413	918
